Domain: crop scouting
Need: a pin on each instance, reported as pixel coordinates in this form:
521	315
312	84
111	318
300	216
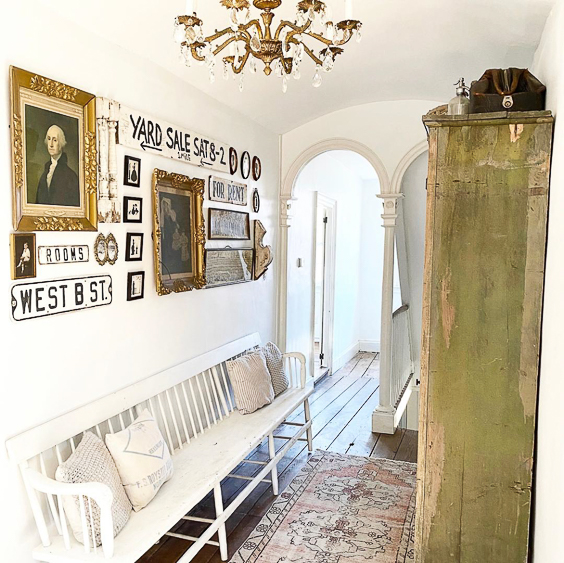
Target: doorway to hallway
324	284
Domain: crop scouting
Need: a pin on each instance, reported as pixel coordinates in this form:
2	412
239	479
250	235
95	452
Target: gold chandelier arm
319	38
295	28
308	51
194	50
238	69
347	36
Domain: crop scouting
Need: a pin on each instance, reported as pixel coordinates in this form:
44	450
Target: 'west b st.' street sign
42	299
156	136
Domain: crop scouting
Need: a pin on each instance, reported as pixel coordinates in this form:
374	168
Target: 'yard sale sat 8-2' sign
149	134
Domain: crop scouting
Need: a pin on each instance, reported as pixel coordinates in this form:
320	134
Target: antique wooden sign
149	134
227	191
43	299
69	254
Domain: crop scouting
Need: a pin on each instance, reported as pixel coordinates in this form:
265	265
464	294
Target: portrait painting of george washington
52	158
54	155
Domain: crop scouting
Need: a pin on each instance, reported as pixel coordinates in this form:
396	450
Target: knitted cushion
92	463
142	458
275	364
251	382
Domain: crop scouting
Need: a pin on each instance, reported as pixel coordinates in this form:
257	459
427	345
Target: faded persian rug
339	509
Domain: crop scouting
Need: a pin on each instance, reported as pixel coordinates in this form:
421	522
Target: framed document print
229	266
179	232
228	225
53	155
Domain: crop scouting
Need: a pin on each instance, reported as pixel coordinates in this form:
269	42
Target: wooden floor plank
364	362
408	447
388	445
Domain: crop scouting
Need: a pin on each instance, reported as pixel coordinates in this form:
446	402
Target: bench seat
198	468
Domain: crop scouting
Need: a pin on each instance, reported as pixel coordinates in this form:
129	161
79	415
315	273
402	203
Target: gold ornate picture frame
179	232
54	155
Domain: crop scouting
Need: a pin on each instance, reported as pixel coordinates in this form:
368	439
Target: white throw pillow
92	463
275	365
251	382
142	459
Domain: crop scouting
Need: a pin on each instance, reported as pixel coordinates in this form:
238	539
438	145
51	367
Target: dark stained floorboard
341	408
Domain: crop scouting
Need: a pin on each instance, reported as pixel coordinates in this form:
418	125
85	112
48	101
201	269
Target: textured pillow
142	459
92	463
251	382
275	365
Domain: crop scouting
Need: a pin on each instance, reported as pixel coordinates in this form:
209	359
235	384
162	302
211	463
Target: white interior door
323	285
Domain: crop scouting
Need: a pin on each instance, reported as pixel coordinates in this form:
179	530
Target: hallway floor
341	408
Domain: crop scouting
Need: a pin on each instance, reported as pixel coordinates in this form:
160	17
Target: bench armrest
98	492
301	358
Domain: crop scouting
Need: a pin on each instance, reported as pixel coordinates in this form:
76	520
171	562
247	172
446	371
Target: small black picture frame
134	247
132	209
135	286
233	161
245	165
132	172
257	168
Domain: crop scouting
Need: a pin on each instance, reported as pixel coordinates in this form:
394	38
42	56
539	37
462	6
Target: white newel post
285	224
383	416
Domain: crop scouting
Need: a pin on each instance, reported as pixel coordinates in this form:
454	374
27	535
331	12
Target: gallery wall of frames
81	167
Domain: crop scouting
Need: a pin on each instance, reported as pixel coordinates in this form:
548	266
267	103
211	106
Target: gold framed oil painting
179	232
54	155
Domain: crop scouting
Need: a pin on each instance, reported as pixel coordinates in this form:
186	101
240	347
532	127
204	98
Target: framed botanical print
54	155
179	232
132	209
134	247
22	252
132	172
229	266
135	286
228	225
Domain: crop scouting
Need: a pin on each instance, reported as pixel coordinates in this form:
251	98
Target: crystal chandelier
282	50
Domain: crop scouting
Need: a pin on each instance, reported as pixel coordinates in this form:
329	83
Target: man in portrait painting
58	184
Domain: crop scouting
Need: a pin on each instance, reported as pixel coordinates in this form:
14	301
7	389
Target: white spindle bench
207	437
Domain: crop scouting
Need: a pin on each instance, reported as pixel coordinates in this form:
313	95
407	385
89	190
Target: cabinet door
485	252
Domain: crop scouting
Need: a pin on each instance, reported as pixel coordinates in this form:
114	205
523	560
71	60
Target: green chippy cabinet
487	207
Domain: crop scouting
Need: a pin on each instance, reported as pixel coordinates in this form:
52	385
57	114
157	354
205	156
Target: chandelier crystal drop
282	50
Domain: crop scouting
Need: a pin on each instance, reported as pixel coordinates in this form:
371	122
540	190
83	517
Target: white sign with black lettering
156	136
63	254
42	299
227	191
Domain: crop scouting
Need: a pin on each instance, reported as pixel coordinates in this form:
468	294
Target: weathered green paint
487	213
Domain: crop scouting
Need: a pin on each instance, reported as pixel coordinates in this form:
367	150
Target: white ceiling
412	49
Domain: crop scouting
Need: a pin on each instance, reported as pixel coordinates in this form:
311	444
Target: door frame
330	270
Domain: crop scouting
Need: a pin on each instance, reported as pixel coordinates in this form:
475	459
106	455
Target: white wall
52	365
358	259
371	268
549	500
389	129
412	210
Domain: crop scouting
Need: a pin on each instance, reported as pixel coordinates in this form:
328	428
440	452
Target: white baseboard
339	362
369	346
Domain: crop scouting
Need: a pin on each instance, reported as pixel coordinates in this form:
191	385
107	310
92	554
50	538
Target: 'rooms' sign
42	299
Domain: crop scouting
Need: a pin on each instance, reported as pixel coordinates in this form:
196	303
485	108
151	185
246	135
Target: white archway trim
336	144
405	163
286	198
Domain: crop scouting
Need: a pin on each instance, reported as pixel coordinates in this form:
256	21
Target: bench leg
309	431
272	455
221	531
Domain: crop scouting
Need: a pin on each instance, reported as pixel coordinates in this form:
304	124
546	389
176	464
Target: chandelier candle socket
282	50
